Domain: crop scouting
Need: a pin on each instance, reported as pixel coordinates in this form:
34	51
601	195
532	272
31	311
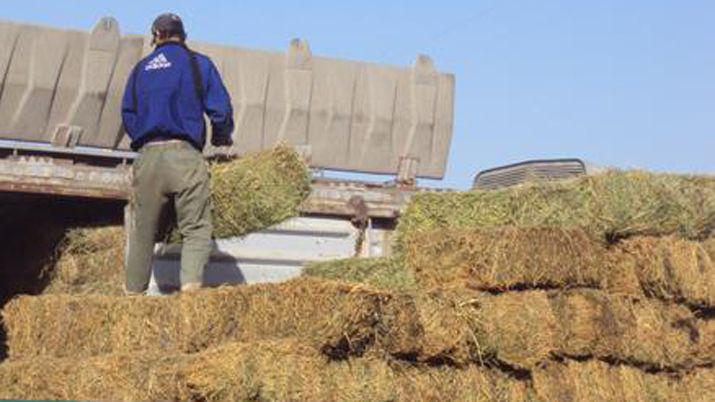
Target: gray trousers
168	172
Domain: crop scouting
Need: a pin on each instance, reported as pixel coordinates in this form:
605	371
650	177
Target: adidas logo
158	62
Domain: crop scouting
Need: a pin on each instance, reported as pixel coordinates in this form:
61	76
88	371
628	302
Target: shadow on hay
32	227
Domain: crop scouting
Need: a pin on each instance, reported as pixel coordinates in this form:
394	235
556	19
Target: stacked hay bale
596	289
607	281
601	281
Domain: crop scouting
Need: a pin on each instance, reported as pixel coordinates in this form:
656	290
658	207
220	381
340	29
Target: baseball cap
168	24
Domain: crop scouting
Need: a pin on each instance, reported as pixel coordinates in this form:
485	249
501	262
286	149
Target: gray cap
168	24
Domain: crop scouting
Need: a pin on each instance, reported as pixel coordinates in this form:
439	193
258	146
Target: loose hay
257	190
89	260
610	206
337	317
387	273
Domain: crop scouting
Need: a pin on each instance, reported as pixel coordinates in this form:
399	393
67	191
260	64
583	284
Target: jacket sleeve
129	112
218	108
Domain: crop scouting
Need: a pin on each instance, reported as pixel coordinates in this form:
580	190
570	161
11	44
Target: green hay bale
340	318
257	190
386	273
610	206
89	261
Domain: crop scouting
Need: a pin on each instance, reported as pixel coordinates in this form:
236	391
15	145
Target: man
163	109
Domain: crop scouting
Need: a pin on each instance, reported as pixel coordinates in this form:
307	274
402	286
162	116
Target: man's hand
221	141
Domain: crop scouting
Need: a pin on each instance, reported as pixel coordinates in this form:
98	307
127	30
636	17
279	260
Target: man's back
167	95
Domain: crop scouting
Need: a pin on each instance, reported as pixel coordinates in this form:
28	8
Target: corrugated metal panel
65	87
511	175
271	255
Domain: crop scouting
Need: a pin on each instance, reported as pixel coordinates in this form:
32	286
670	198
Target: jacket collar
170	44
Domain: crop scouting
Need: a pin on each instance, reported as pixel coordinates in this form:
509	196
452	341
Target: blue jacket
161	99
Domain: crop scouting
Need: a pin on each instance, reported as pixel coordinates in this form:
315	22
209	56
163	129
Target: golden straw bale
673	269
520	327
281	371
337	316
380	380
284	369
120	377
504	258
699	386
647	332
704	330
709	246
262	370
439	326
597	381
516	328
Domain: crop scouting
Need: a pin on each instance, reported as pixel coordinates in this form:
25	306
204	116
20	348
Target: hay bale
611	206
709	246
524	329
245	376
264	370
597	381
506	258
704	332
118	377
338	317
257	190
380	380
699	191
516	328
673	269
261	370
89	260
388	273
640	332
500	259
699	386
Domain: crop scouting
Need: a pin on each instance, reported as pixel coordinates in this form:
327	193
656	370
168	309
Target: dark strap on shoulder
135	102
196	75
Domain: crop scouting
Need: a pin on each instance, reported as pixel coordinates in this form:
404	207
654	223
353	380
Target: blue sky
618	83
